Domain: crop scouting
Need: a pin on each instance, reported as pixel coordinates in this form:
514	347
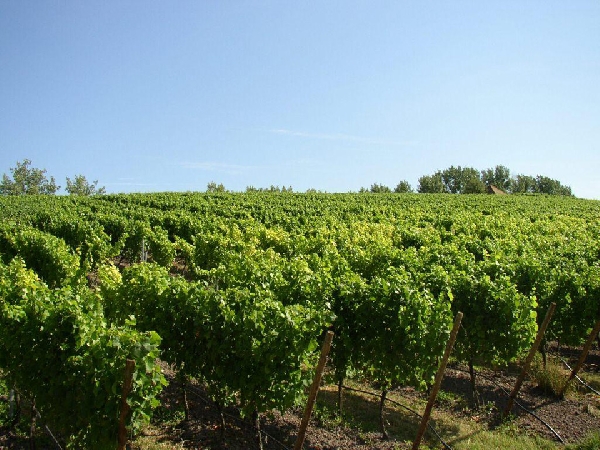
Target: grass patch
592	442
591	378
451	400
167	416
486	440
469	432
472	432
361	412
551	379
152	442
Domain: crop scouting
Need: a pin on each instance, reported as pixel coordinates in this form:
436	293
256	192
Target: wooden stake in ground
340	398
14	407
586	349
127	385
529	359
32	445
438	381
256	423
314	390
384	432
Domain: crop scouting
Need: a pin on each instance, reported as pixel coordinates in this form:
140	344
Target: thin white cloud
341	137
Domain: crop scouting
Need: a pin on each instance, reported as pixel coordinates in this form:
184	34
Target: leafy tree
546	185
467	180
431	184
459	180
81	186
403	187
498	176
272	189
27	180
523	184
214	187
452	178
379	189
473	186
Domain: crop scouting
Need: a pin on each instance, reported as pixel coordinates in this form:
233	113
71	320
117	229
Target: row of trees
453	180
213	187
30	180
467	180
403	187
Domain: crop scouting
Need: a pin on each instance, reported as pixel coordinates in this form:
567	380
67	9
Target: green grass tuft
592	442
552	378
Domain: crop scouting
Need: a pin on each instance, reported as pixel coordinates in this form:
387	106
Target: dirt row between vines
572	418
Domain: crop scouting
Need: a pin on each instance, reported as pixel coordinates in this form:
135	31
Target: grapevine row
250	281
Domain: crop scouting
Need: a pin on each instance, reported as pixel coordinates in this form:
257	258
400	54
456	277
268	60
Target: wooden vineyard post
13	406
127	385
143	251
438	381
32	445
529	359
314	390
584	353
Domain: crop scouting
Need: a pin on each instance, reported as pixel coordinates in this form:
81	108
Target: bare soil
572	418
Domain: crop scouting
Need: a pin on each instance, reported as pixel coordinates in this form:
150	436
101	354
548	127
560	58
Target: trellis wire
405	407
200	395
38	415
578	378
547	425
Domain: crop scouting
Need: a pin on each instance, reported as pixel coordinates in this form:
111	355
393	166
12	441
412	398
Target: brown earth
572	418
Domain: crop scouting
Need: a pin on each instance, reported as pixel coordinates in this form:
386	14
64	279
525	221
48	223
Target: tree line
30	180
468	180
453	180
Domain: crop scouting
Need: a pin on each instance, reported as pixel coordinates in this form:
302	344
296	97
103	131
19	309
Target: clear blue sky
331	95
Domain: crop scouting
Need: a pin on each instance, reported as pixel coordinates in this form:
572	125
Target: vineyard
236	292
